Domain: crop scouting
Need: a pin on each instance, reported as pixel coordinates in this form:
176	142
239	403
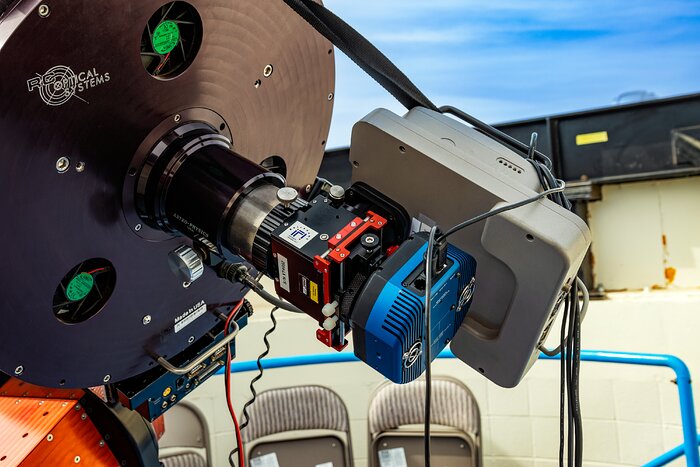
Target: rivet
49	437
77	459
101	443
177	118
137	227
267	72
106	378
191	339
186	284
83	417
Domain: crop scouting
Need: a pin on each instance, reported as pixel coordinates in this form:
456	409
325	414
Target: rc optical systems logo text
59	84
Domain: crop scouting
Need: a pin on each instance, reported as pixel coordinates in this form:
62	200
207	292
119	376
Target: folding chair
298	427
396	417
186	441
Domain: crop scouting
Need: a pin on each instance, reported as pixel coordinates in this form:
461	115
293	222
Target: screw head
267	72
137	227
62	164
330	96
324	237
190	340
307	188
44	11
146	320
83	417
49	437
106	378
186	284
19	370
77	459
80	167
101	443
177	118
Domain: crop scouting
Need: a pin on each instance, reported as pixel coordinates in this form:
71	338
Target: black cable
428	338
502	209
562	383
245	420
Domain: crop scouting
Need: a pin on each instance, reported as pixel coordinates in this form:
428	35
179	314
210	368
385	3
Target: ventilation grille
405	322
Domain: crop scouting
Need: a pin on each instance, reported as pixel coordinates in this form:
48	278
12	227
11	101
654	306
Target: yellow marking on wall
592	138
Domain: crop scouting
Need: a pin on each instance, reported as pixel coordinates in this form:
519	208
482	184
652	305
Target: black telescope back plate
73	85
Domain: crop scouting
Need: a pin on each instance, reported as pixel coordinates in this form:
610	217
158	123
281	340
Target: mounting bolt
19	370
106	378
267	72
62	165
80	167
177	118
146	320
44	11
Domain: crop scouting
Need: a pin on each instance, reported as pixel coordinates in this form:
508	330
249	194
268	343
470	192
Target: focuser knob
287	195
186	264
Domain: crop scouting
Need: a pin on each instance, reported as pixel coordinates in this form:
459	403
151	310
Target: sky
506	60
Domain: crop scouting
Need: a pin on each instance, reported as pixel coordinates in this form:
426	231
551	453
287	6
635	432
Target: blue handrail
691	439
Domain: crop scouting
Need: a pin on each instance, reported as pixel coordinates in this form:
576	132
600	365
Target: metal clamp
199	360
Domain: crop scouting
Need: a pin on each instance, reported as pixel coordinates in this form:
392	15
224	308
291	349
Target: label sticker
188	317
299	234
283	268
165	37
392	458
592	138
304	285
325	464
79	287
314	291
268	460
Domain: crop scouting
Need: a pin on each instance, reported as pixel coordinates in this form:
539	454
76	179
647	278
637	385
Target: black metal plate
54	221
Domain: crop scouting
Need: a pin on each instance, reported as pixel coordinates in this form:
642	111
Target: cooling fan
171	40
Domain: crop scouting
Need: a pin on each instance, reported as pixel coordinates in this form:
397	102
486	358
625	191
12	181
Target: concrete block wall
631	414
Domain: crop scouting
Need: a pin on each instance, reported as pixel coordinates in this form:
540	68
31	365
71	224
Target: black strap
362	52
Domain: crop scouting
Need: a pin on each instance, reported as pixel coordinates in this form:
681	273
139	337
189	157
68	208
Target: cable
238	273
502	209
227	382
428	338
251	401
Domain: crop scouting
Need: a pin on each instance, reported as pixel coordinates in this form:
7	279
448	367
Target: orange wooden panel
75	438
24	422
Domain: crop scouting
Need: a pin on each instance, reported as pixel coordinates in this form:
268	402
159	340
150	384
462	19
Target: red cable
227	380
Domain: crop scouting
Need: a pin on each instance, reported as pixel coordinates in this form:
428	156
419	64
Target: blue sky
505	60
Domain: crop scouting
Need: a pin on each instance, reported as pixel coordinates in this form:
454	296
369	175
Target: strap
362	52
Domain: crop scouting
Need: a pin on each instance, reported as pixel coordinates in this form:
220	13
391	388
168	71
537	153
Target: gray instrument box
439	168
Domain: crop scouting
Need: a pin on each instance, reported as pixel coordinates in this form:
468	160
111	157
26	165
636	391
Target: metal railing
691	438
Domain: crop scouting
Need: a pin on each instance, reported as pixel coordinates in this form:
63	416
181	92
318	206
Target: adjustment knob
337	192
287	195
186	264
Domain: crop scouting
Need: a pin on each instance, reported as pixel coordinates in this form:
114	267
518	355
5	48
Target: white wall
631	414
